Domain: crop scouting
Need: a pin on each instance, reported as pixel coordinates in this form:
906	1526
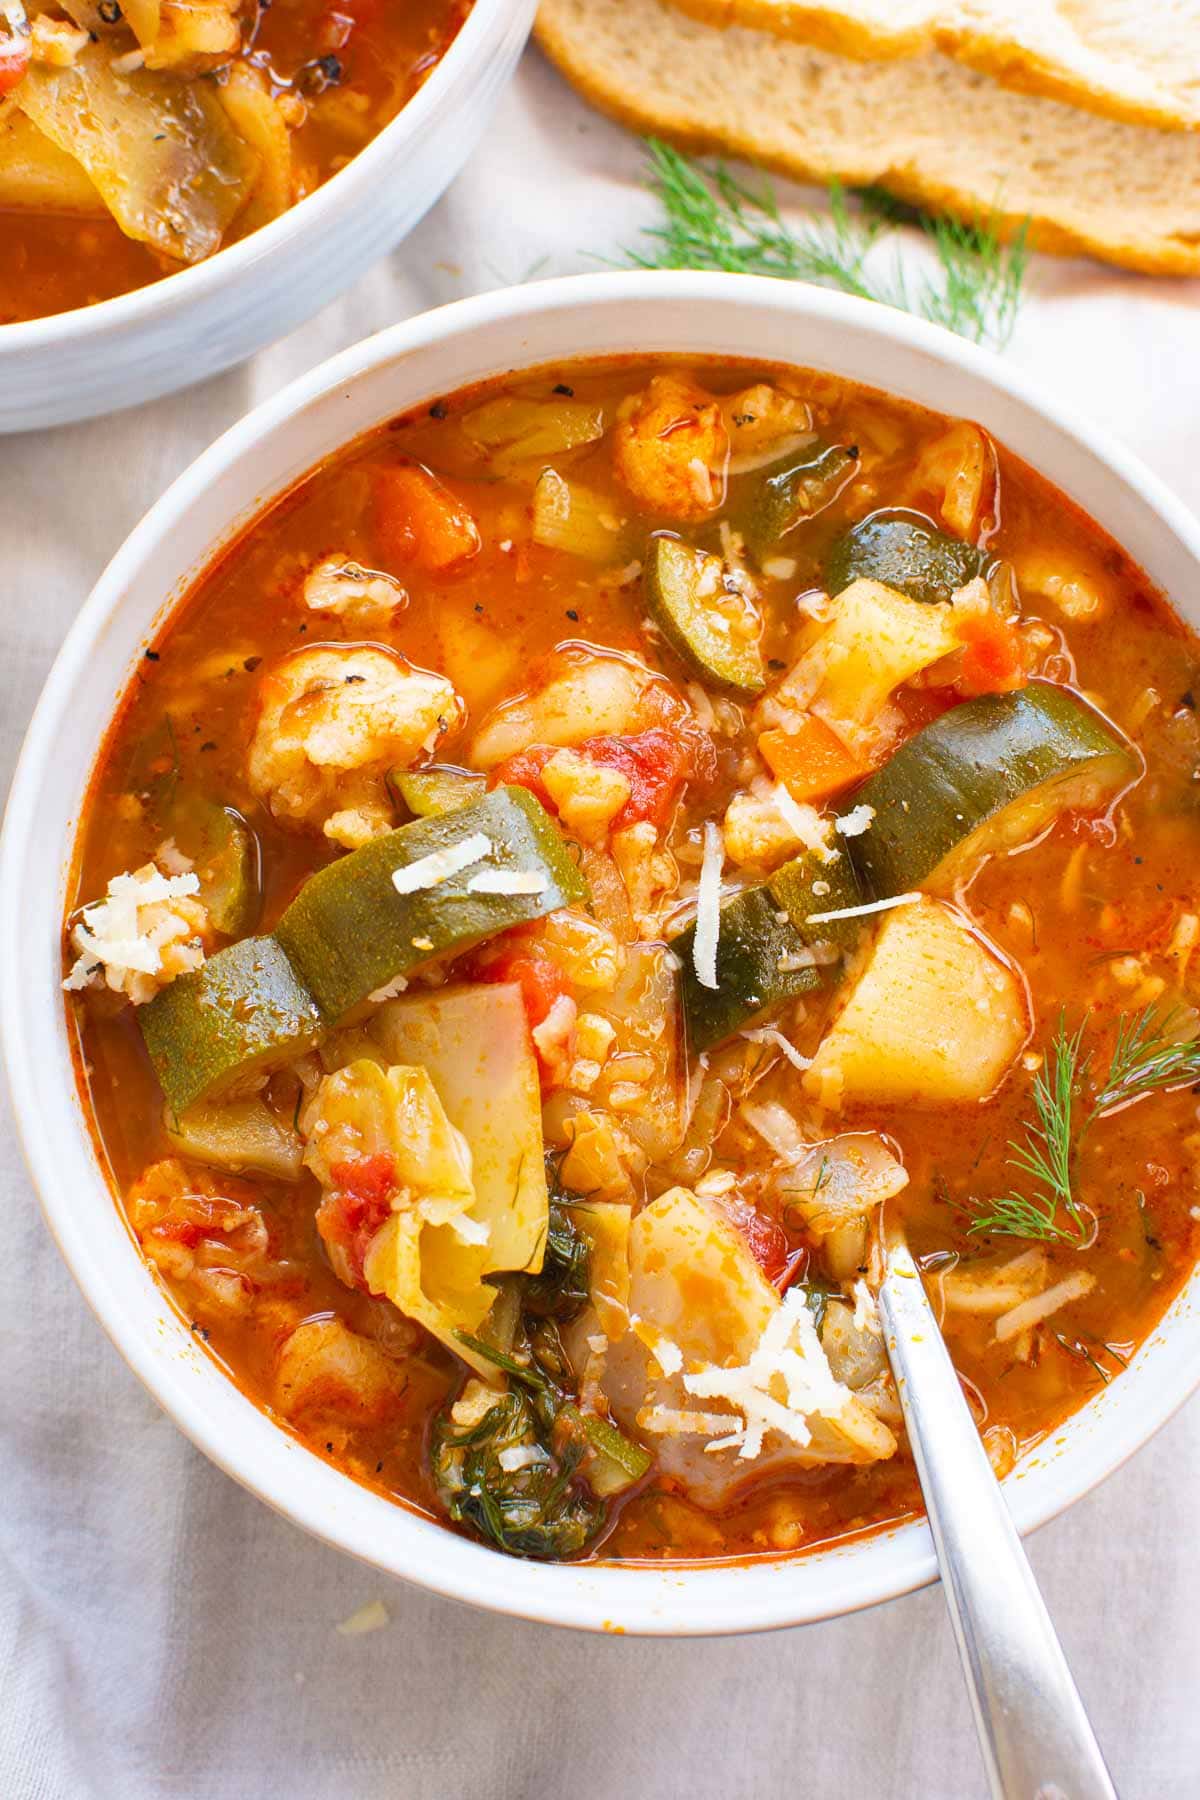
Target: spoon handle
1035	1737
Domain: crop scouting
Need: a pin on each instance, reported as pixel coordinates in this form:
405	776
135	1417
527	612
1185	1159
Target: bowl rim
350	186
592	1596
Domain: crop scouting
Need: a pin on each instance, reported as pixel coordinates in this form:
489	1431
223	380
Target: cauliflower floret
760	832
761	417
148	928
957	468
650	874
366	597
332	722
670	448
587	795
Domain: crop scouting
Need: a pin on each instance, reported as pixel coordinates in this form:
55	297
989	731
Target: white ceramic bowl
408	365
101	358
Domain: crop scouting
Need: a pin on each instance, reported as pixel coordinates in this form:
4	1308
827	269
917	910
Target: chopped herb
715	220
572	615
560	387
1148	1057
152	655
546	1507
1045	1156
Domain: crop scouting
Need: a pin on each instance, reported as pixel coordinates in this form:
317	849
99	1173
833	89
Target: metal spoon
1035	1737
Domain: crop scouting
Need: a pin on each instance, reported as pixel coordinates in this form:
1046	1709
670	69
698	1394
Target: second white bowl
98	359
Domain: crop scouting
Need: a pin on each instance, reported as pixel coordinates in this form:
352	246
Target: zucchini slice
988	775
905	551
440	788
684	588
762	948
795	491
228	862
350	932
240	1135
244	1011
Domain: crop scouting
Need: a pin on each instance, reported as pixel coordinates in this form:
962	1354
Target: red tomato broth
1098	893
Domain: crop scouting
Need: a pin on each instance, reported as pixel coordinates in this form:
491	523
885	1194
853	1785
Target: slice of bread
1125	59
926	128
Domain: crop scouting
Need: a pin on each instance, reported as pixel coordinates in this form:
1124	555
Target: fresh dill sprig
715	220
1045	1155
1147	1057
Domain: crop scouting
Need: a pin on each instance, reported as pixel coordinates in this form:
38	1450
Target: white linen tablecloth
161	1632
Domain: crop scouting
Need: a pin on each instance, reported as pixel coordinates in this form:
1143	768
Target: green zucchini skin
795	491
989	773
754	939
905	551
437	789
228	862
246	1009
671	575
350	933
750	947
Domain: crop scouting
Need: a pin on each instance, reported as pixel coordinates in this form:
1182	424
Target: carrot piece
991	660
417	520
811	762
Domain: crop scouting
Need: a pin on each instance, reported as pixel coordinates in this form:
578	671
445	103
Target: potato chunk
936	1015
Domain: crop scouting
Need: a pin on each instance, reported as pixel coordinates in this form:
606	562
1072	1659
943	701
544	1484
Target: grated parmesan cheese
393	988
866	1311
708	907
146	930
439	865
507	881
786	1382
767	1034
1042	1306
804	822
860	912
856	821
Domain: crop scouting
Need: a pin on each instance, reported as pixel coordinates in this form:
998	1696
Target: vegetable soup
575	860
138	136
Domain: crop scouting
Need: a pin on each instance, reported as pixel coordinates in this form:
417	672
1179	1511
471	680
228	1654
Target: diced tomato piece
991	660
811	761
14	60
525	770
656	764
360	1203
417	520
764	1237
369	1179
541	981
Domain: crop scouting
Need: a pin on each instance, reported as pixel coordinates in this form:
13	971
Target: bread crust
639	61
1073	55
